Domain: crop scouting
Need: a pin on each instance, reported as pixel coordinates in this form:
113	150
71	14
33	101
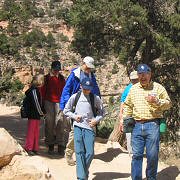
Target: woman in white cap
116	133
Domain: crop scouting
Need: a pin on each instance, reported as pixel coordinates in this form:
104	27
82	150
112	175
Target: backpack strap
91	95
76	100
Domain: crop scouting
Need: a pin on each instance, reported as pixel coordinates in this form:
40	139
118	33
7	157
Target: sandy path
107	165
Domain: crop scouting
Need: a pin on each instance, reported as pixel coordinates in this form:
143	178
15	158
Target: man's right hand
78	118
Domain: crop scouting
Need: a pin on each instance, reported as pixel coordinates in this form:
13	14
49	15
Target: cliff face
32	59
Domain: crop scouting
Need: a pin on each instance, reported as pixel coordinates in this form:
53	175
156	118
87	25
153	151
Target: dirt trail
107	165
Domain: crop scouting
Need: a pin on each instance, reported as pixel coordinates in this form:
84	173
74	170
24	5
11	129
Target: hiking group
73	107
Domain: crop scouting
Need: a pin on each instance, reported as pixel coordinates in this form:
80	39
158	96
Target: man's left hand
92	122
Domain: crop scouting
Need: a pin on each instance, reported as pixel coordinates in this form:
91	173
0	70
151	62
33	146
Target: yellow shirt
136	105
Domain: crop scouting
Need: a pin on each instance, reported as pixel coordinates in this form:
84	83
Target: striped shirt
136	105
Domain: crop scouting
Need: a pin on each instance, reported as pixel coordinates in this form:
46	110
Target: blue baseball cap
143	68
86	83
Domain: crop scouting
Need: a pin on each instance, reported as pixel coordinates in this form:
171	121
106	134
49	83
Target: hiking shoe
61	150
70	161
36	152
30	153
51	149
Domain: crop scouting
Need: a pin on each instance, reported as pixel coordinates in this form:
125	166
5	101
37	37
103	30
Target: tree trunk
117	136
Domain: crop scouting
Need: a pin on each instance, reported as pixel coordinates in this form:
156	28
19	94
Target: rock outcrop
9	147
15	164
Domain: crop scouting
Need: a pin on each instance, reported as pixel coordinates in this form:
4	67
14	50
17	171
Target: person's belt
142	121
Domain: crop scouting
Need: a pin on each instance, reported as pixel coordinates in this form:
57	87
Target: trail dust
114	164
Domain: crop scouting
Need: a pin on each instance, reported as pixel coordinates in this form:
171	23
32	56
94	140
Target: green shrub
16	85
36	37
62	37
4	45
10	89
111	100
115	69
107	124
63	13
50	40
105	128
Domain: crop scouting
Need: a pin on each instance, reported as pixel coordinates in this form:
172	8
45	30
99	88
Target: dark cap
143	68
56	65
86	83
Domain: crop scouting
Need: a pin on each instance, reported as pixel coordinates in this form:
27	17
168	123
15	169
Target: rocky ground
107	165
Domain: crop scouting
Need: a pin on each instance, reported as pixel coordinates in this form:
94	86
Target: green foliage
4	46
3	15
10	88
115	68
8	84
14	46
16	85
50	40
16	13
111	100
12	29
19	13
39	13
123	26
62	37
5	83
8	45
36	37
63	13
106	126
51	4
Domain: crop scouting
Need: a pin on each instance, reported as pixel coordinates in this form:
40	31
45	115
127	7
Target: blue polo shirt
125	92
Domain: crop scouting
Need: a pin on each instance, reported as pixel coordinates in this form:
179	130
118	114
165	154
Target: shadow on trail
169	173
109	175
17	128
109	155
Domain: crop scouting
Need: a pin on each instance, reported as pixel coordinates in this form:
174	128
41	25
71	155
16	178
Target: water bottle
163	126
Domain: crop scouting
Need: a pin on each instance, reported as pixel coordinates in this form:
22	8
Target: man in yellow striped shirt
146	102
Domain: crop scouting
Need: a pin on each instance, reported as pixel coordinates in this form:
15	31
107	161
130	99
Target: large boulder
15	164
9	148
26	168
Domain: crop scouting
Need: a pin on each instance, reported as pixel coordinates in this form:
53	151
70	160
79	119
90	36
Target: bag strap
76	100
91	95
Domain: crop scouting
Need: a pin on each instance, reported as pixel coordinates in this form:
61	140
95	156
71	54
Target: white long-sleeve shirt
84	109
